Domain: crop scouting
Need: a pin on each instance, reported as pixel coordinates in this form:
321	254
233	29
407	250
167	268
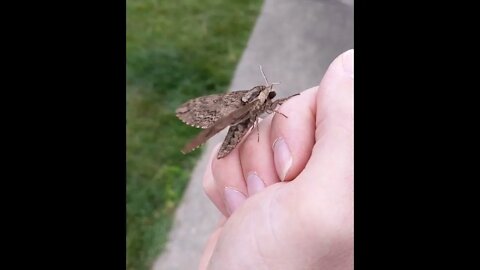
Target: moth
238	109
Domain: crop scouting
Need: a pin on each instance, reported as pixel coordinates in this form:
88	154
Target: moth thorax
262	96
253	93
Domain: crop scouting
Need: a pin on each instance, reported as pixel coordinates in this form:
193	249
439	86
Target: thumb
319	202
326	183
332	154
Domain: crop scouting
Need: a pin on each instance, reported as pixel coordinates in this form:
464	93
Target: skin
306	220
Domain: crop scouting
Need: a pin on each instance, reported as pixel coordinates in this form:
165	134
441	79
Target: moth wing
234	136
232	119
204	112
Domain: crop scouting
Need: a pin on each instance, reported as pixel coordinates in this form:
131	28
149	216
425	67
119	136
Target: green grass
176	50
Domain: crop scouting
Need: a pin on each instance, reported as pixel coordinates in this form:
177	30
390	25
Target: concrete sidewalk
294	41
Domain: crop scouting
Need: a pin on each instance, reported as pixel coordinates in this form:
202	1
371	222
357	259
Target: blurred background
178	50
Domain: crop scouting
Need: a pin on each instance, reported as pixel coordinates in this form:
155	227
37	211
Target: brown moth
238	109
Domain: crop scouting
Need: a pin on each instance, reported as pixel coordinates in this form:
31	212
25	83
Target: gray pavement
294	41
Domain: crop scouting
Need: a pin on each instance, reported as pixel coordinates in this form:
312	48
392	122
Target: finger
209	186
292	138
229	181
256	158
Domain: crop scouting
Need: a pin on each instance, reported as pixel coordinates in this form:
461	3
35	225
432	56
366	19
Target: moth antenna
263	74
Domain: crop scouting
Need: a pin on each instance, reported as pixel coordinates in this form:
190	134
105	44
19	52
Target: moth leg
277	102
255	125
280	113
258	130
281	101
273	110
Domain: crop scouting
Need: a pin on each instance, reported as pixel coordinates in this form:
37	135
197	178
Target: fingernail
282	157
348	62
254	184
233	199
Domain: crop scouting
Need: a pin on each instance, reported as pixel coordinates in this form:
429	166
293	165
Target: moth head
271	94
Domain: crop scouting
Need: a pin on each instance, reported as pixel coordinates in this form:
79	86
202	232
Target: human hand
288	199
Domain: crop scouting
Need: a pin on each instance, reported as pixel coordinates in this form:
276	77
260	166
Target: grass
176	50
